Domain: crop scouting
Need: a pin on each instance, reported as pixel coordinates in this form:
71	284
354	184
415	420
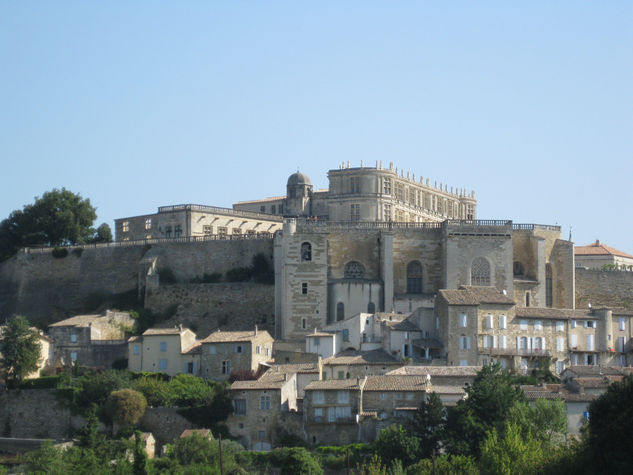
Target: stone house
225	352
258	406
598	255
91	340
305	374
458	376
351	364
166	350
331	411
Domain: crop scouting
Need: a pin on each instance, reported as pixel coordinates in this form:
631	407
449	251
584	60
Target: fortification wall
35	414
205	307
603	288
44	288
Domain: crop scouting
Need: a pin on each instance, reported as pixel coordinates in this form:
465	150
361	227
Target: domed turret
298	191
299	179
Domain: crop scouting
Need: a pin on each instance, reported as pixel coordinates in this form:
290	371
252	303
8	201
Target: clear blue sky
141	104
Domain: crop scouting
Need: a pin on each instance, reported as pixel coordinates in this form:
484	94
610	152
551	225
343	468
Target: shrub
59	252
120	364
167	276
238	274
125	407
46	382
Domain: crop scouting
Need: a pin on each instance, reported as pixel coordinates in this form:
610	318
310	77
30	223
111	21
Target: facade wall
219	359
603	288
162	353
194	221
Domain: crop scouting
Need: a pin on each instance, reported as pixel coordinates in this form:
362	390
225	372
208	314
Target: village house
167	350
91	340
258	406
224	352
351	364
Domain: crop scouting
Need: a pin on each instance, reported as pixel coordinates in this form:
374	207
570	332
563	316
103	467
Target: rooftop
599	249
397	383
267	381
437	371
555	313
165	331
78	321
356	357
342	384
403	326
229	337
473	295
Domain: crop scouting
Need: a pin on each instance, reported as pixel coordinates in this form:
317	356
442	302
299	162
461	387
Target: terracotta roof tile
555	313
599	249
356	357
267	381
228	337
473	295
350	384
437	371
397	383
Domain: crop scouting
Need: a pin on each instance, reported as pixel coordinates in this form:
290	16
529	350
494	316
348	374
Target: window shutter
518	343
468	343
494	341
544	344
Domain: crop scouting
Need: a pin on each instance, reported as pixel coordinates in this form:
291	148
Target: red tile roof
599	249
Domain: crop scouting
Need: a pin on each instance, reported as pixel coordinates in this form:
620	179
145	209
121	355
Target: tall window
517	269
148	223
264	403
226	367
386	186
354	183
548	285
340	311
168	231
386	214
125	226
177	230
354	212
414	277
354	270
480	272
306	251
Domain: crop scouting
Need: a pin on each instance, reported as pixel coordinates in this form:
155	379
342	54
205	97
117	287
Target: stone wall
165	423
35	414
603	288
45	289
206	307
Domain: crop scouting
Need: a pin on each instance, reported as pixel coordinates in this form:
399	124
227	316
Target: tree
545	421
21	350
102	234
428	424
512	453
486	406
394	443
611	428
140	456
125	407
295	460
446	464
59	217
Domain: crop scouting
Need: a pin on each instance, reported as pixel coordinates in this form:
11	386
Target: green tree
295	460
102	234
545	421
21	350
59	217
125	407
446	465
611	428
486	406
140	456
95	388
89	436
395	443
510	454
46	460
428	424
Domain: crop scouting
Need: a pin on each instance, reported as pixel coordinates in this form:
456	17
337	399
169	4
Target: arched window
306	251
340	311
414	277
354	270
538	343
548	286
371	307
480	272
517	269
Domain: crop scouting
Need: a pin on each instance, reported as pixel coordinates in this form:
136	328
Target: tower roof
298	178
